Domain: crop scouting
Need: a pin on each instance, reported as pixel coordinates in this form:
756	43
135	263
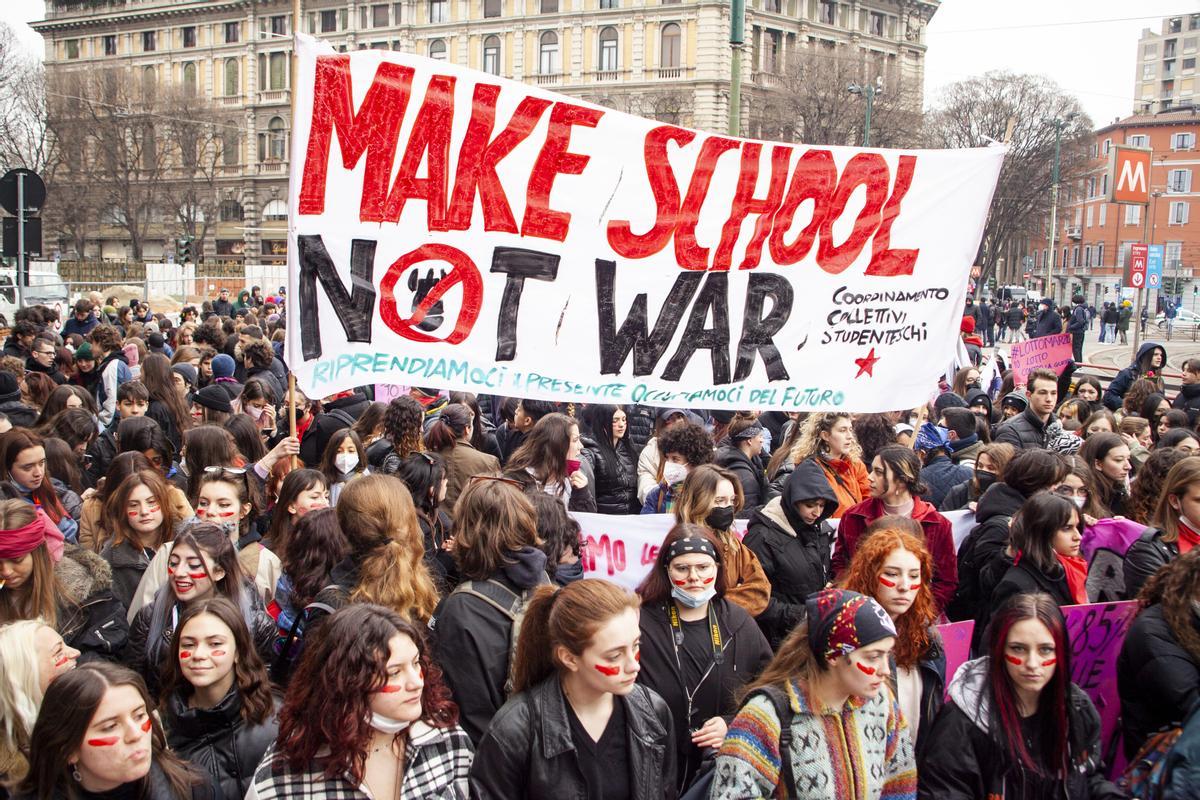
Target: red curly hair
326	704
912	627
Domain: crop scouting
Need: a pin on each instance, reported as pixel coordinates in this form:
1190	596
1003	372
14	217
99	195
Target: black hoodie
794	556
985	542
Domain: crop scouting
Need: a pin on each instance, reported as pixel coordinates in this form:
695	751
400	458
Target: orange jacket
848	479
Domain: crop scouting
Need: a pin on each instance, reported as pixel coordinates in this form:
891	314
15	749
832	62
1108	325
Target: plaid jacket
437	761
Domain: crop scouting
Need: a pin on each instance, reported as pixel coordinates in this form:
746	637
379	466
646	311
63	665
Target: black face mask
720	519
984	479
975	385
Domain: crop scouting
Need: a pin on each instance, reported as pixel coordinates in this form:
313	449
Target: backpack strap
783	710
494	594
341	415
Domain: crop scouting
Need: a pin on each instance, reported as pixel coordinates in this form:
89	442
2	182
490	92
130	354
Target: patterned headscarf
841	621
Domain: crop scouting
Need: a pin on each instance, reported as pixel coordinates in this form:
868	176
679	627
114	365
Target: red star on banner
867	364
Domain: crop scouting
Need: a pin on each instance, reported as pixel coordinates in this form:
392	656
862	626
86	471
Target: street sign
1129	175
35	191
1154	266
1137	266
33	237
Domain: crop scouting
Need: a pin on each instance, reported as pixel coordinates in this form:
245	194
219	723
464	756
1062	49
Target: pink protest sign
956	641
1045	352
386	392
1097	632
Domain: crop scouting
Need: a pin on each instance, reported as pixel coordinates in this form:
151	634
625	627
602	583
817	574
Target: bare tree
24	140
973	112
808	101
198	133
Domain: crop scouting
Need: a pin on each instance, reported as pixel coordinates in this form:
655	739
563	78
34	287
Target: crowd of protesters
392	603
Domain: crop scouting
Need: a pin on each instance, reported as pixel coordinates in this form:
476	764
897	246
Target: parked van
44	287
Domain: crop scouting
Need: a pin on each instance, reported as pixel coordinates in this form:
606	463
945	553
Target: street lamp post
1059	124
737	37
870	92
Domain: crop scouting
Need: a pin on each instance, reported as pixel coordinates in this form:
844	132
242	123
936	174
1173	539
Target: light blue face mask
693	600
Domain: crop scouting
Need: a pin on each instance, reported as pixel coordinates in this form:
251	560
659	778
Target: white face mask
345	462
674	473
387	724
1079	501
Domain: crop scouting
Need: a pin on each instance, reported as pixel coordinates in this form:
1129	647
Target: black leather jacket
528	752
218	741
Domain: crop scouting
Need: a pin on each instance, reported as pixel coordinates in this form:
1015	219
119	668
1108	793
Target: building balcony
272	168
1074	232
670	73
548	79
273	97
767	78
229	100
607	76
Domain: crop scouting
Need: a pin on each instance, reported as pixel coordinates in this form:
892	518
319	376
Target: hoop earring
75	773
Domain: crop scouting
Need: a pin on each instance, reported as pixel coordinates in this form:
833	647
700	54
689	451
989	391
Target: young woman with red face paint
139	518
848	737
32	654
366	717
217	708
1015	726
895	567
698	649
579	725
202	564
96	737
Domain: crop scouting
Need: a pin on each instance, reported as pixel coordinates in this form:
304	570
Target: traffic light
184	249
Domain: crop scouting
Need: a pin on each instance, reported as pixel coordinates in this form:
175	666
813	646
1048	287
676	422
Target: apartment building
1166	65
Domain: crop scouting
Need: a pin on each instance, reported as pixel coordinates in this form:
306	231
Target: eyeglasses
1067	491
481	478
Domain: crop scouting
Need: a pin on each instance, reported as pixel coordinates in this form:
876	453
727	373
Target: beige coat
462	462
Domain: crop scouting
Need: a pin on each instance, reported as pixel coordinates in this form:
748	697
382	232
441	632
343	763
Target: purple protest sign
1097	632
1045	352
386	392
956	641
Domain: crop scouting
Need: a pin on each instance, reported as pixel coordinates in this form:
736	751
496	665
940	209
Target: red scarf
1188	538
1076	568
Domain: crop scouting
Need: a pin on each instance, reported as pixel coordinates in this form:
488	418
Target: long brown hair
42	592
1174	587
912	627
568	617
326	705
698	490
794	660
116	521
544	451
491	518
12	443
249	673
377	515
66	713
1181	476
156	375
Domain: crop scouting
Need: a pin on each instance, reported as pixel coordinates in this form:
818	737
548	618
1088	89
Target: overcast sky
1088	46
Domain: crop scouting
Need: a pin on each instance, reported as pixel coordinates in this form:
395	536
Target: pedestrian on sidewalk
1123	318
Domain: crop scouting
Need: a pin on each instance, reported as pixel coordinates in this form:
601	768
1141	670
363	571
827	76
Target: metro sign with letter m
1129	175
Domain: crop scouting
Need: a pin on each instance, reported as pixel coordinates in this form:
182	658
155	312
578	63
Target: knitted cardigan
862	753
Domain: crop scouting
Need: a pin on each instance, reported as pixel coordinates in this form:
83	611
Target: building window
1133	215
770	54
549	6
149	39
828	12
329	21
1103	214
671	40
608	49
1104	185
279	26
1189	64
875	23
230	149
1150	51
1179	181
774	6
437	49
275	211
277	71
1139	140
231	211
491	55
1172	255
548	53
1100	251
437	10
1089	216
379	16
1179	212
276	139
72	48
231	32
233	85
189	78
491	8
608	4
1183	141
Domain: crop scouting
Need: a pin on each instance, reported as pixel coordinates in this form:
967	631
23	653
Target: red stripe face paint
1049	662
389	688
914	586
679	583
707	581
107	741
147	725
218	653
891	584
133	514
197	575
605	669
60	662
638	656
864	669
1016	662
184	655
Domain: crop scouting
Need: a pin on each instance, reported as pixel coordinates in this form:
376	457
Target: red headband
20	542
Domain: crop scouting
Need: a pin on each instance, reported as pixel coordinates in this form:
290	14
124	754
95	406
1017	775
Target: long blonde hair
794	660
377	515
20	695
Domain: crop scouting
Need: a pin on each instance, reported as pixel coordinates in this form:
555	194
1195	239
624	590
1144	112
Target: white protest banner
450	228
622	549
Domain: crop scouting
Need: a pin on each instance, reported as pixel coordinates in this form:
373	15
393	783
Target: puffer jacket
128	563
528	750
640	425
794	556
218	740
1146	556
966	760
1140	368
95	626
750	471
1157	679
615	469
1024	431
1188	400
941	475
984	543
